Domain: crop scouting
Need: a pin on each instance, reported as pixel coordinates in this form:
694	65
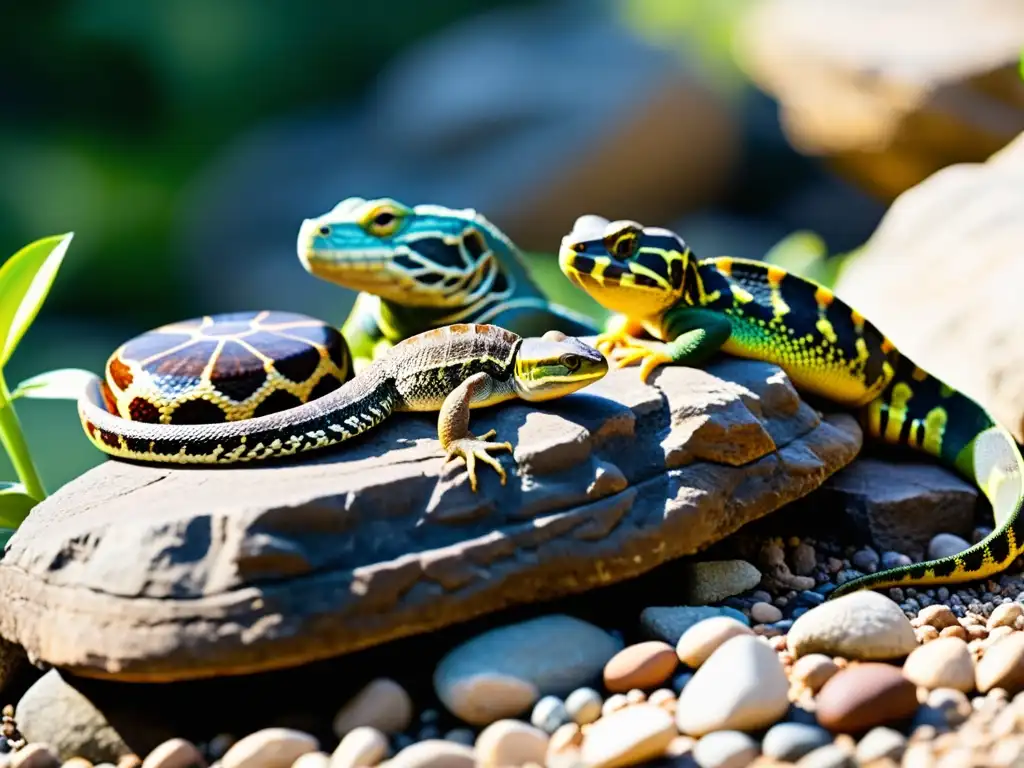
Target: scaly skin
450	370
694	308
423	267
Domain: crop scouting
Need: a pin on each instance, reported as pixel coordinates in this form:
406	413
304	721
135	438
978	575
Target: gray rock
725	749
669	623
946	544
900	506
176	573
791	741
52	712
881	742
714	580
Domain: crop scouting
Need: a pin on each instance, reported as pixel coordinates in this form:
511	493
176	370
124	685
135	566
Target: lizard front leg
620	334
696	335
453	427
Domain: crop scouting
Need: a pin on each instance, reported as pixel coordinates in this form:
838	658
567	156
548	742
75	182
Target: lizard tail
919	411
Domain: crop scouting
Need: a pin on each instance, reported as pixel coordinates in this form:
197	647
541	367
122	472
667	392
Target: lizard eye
324	230
623	245
572	362
383	222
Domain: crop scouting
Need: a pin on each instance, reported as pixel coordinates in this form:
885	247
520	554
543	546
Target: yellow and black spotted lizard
695	307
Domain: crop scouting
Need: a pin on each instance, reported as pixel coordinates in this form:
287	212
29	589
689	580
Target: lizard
423	266
451	369
694	308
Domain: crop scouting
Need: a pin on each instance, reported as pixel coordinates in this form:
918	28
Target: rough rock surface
900	507
891	92
942	274
151	573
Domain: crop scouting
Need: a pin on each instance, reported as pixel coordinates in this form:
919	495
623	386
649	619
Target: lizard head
426	255
555	365
624	266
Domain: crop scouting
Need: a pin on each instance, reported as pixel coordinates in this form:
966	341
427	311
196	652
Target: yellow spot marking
775	275
946	391
825	329
823	296
887	345
918	374
858	320
724	265
901	394
934	429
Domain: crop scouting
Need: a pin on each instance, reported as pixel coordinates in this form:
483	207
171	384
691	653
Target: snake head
626	267
426	255
555	365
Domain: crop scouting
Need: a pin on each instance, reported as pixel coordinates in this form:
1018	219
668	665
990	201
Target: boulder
889	92
942	274
148	573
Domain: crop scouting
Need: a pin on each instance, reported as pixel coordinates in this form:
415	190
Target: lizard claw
650	359
473	448
606	343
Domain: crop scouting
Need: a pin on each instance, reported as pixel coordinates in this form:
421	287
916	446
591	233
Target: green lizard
422	267
450	370
695	307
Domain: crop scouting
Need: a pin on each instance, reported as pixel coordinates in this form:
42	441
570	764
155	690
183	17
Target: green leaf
15	504
25	280
60	384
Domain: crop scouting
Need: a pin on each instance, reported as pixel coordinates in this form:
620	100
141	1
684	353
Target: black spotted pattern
326	384
278	400
238	373
198	412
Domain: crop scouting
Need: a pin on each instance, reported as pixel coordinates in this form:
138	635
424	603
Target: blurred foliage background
116	116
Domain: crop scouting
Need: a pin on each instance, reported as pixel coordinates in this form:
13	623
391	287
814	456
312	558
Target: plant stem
13	440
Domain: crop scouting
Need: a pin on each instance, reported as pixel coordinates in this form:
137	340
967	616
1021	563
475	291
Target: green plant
25	281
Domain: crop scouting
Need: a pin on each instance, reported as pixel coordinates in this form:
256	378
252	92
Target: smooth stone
434	753
74	762
628	737
725	749
946	545
865	560
549	714
755	696
461	736
53	712
312	760
765	613
669	623
584	705
362	746
829	756
944	662
269	748
382	704
813	670
702	639
938	616
880	743
511	742
803	556
1005	615
714	580
862	625
1002	666
35	755
502	673
273	590
791	741
865	695
644	665
175	753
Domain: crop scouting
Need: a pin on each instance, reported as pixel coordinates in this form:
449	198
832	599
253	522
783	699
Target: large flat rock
143	573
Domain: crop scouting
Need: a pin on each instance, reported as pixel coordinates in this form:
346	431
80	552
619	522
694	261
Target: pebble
361	746
943	663
1005	615
434	753
829	756
628	737
791	741
862	625
865	695
174	753
813	670
643	665
549	714
895	560
511	742
938	616
756	696
382	704
804	559
725	749
865	560
945	545
316	760
669	624
502	673
584	705
1002	666
880	743
714	580
461	736
269	748
765	613
701	640
35	755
